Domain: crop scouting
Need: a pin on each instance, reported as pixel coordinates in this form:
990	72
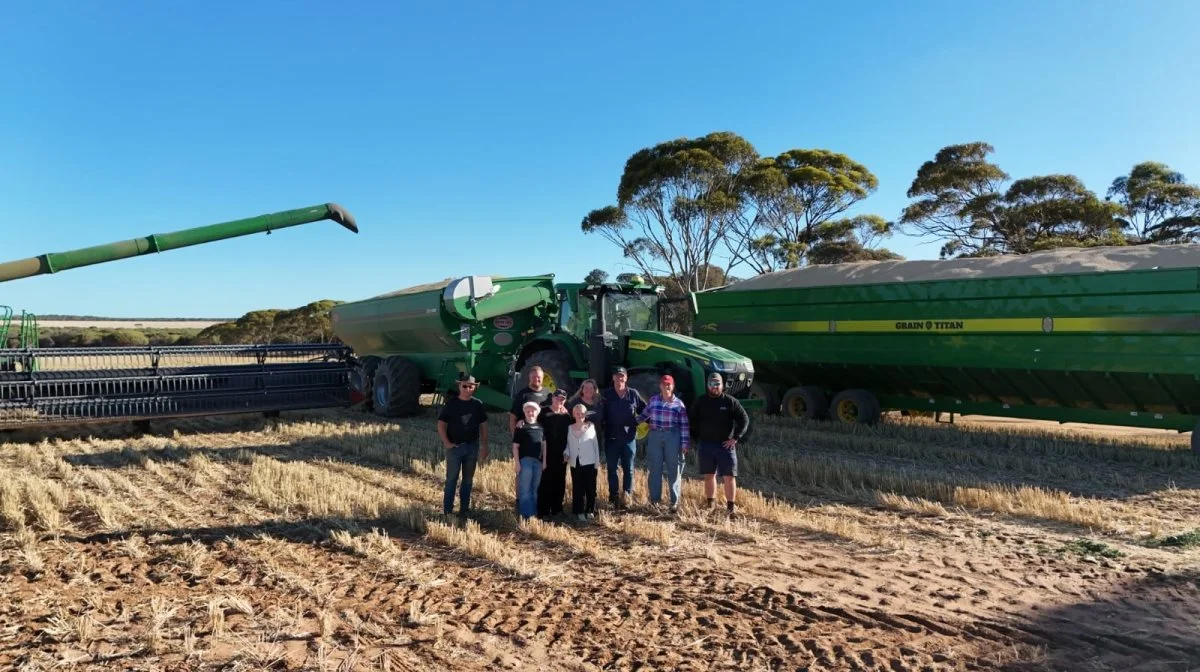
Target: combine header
50	386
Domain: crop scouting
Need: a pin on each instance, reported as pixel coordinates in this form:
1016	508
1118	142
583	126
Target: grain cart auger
49	386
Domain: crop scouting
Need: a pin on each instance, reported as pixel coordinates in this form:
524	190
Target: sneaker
591	516
581	518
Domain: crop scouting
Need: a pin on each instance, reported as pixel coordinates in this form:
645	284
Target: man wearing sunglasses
462	425
718	422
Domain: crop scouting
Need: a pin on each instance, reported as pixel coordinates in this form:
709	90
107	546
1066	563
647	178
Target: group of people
551	432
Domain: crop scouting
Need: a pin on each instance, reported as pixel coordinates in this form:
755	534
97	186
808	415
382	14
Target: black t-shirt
463	419
529	438
593	409
555	425
541	397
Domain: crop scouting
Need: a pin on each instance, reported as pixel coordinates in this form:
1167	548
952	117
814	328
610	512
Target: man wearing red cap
668	440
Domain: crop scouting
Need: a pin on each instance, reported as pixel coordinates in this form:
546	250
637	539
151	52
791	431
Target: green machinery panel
1116	347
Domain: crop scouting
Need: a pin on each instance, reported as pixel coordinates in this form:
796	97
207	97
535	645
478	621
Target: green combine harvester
423	338
1101	335
48	386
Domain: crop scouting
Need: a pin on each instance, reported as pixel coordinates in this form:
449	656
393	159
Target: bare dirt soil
316	542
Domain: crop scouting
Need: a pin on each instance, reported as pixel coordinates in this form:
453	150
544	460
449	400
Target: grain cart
1101	335
421	339
47	386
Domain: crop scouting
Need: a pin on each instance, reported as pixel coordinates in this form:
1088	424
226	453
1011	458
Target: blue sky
473	137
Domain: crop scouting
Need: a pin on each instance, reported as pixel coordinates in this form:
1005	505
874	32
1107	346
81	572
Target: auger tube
53	262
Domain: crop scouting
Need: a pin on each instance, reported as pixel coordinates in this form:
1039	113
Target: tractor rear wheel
804	401
556	371
397	390
855	407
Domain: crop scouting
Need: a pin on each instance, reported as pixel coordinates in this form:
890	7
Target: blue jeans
622	452
664	451
462	457
527	486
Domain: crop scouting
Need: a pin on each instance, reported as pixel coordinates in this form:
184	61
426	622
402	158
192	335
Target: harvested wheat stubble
1064	261
317	541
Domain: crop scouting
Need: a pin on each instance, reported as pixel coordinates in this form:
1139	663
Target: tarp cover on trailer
1061	261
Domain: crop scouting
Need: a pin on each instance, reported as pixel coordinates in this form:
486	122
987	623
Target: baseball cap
620	370
560	393
715	378
668	379
469	380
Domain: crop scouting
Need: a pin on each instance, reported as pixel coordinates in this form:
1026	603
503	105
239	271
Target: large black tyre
804	401
397	392
556	371
769	394
1196	438
855	407
362	378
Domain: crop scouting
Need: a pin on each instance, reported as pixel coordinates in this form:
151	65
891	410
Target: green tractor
421	339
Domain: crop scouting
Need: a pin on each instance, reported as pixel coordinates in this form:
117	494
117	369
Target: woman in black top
589	396
554	419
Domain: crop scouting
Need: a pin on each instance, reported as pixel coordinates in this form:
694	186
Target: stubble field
316	542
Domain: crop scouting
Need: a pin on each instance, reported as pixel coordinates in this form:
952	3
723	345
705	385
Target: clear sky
473	137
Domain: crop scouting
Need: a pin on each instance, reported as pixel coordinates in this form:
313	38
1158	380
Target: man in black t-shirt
462	425
533	392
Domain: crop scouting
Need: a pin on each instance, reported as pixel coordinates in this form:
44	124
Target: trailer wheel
769	394
397	390
855	407
806	401
556	371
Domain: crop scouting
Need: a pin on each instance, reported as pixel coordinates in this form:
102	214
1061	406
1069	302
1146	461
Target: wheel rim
548	382
847	411
796	407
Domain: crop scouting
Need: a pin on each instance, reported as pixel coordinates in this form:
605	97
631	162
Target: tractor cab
601	316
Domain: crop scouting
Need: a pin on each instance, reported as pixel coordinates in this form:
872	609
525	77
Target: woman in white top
582	454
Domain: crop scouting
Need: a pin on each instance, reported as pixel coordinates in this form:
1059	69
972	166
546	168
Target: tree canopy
962	200
1158	205
689	206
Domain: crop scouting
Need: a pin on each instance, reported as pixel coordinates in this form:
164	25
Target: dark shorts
717	459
